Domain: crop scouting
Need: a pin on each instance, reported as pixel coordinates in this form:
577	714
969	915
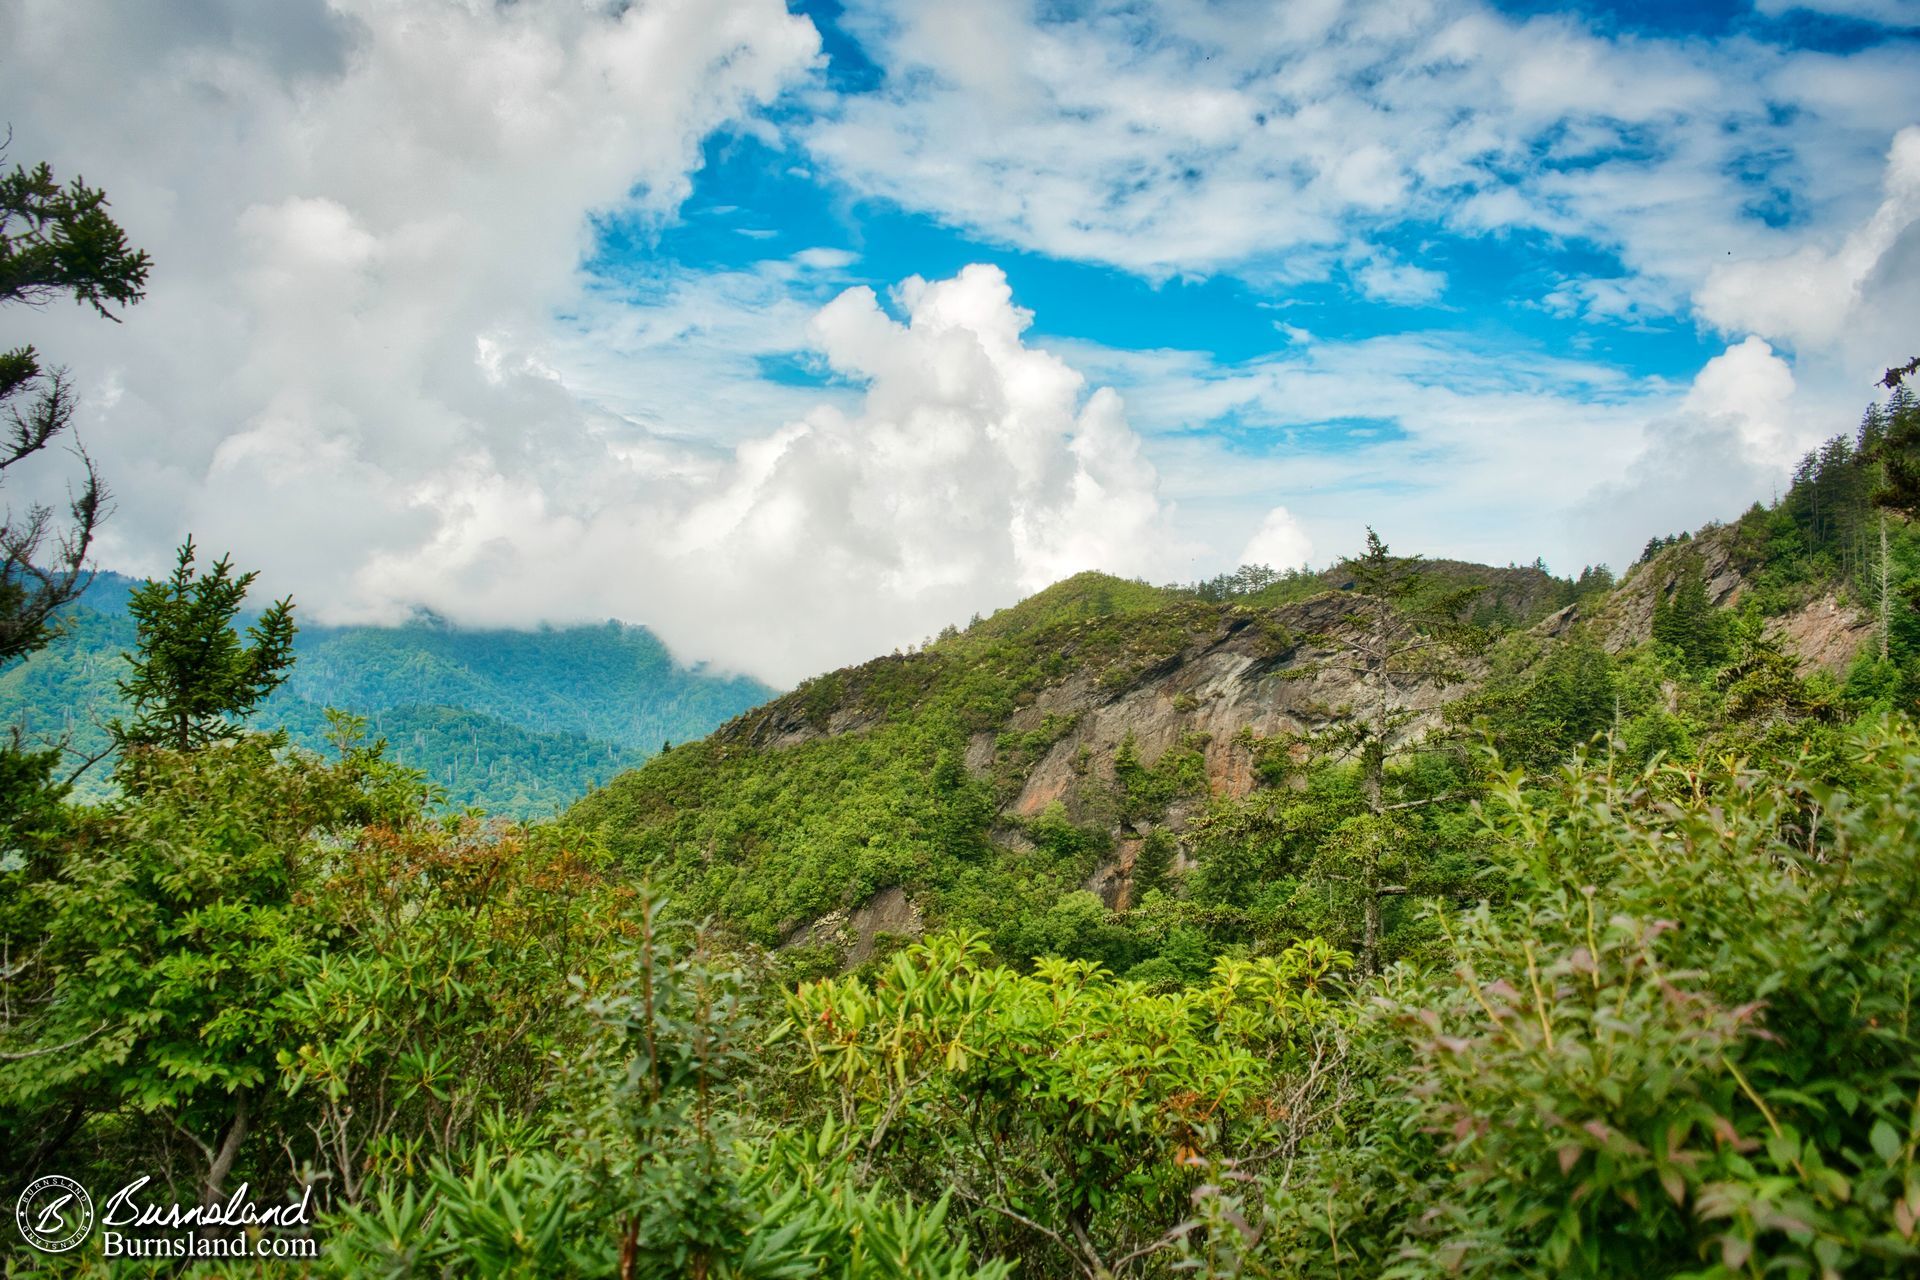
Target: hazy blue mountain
518	723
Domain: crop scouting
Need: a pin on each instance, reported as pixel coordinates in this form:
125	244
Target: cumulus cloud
349	370
372	366
684	352
363	217
1728	443
1454	447
1813	295
975	469
1279	542
1749	389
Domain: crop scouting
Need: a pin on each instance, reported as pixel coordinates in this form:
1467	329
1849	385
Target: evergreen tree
1399	628
1900	455
1573	696
1900	373
192	672
55	241
1154	861
1594	580
1686	619
964	808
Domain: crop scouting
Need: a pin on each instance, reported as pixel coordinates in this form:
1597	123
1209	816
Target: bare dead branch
52	1049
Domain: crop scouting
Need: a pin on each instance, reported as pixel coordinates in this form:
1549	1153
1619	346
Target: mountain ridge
516	722
1081	725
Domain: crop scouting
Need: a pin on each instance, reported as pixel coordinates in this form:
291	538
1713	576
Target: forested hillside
1151	777
1412	920
518	723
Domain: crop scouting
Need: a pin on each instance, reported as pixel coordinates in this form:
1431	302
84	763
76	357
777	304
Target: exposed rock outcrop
1624	617
1824	633
1214	695
889	911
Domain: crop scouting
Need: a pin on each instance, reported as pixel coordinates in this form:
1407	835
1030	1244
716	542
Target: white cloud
1257	138
1812	296
1279	542
1458	449
974	470
684	353
822	259
370	363
363	217
1628	300
349	372
1399	282
1750	390
1726	445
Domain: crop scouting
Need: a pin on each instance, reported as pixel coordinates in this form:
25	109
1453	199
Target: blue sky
866	315
752	199
752	202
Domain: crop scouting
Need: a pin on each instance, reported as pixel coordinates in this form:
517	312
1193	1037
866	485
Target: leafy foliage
157	942
1898	452
1682	1045
1066	1113
659	1174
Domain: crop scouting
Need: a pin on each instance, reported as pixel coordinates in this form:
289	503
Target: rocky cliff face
1221	693
1824	633
1214	683
855	932
1230	674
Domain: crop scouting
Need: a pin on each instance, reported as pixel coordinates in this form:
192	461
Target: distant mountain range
518	723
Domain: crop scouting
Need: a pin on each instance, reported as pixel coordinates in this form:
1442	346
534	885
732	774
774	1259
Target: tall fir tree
1400	627
1900	454
193	676
1686	619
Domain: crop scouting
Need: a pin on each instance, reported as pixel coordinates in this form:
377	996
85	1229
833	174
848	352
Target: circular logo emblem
54	1214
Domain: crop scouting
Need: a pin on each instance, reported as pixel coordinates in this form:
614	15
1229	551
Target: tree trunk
229	1149
51	1144
1884	619
1373	760
1373	774
1370	939
630	1248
